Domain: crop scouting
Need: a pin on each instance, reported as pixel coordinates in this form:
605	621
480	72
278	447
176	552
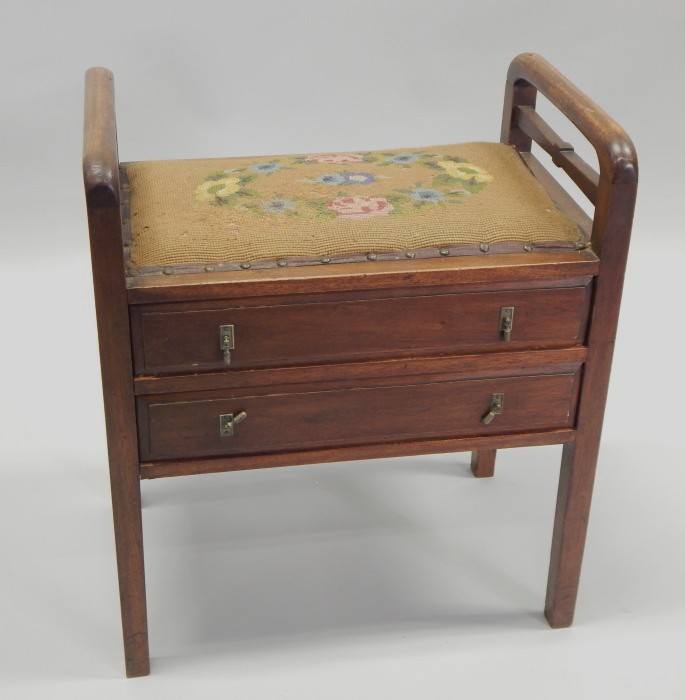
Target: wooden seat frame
612	191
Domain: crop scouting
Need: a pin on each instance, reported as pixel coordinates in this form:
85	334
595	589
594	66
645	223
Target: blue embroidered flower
278	206
359	178
331	179
402	158
424	194
265	168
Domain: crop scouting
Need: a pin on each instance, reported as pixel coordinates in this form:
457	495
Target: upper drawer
304	333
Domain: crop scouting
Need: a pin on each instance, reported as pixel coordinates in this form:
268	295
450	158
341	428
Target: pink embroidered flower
360	207
335	158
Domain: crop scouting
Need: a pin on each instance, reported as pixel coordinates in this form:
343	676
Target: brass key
228	421
496	406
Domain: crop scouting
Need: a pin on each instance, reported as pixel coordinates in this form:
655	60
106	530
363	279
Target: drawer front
308	333
179	428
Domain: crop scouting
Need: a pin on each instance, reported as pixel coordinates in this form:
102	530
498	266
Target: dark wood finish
154	470
403	360
414	371
362	277
483	463
479	366
517	94
100	157
100	174
286	297
290	334
612	224
562	152
171	428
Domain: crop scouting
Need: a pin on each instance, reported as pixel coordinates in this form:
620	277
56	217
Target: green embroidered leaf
445	179
216	176
431	165
395	198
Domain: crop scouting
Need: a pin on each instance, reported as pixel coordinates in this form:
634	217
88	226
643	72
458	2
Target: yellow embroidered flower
209	190
464	171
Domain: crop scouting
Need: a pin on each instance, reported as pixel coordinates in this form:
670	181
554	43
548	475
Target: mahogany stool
274	311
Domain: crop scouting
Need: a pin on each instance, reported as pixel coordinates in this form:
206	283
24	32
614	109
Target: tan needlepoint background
268	207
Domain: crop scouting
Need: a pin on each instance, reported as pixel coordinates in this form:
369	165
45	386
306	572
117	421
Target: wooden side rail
100	157
563	155
613	193
101	179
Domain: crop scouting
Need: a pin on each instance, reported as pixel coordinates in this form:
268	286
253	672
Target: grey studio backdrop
397	578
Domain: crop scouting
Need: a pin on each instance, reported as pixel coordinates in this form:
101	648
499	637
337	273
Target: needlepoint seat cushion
335	206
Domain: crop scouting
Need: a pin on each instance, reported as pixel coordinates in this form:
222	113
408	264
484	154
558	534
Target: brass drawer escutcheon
506	323
227	341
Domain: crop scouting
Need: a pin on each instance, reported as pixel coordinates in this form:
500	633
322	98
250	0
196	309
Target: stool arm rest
614	189
529	73
100	157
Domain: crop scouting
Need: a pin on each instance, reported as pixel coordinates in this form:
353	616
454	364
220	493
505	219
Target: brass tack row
445	251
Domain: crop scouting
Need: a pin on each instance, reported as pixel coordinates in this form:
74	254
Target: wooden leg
570	526
483	463
128	533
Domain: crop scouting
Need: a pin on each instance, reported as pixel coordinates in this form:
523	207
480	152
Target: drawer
175	341
181	427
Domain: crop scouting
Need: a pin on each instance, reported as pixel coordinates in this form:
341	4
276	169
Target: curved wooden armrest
529	73
614	189
100	158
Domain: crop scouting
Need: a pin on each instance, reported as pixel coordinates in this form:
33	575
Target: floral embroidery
278	206
360	207
442	180
359	178
402	158
219	189
424	194
337	158
265	168
346	178
464	171
210	190
331	179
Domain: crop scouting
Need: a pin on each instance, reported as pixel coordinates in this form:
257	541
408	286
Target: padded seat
333	207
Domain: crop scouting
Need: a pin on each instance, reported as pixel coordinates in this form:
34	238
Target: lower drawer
181	428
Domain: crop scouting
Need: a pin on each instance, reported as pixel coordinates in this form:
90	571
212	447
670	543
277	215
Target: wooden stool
274	311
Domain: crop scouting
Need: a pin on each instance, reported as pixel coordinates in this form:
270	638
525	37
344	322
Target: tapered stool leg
483	463
128	533
570	528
